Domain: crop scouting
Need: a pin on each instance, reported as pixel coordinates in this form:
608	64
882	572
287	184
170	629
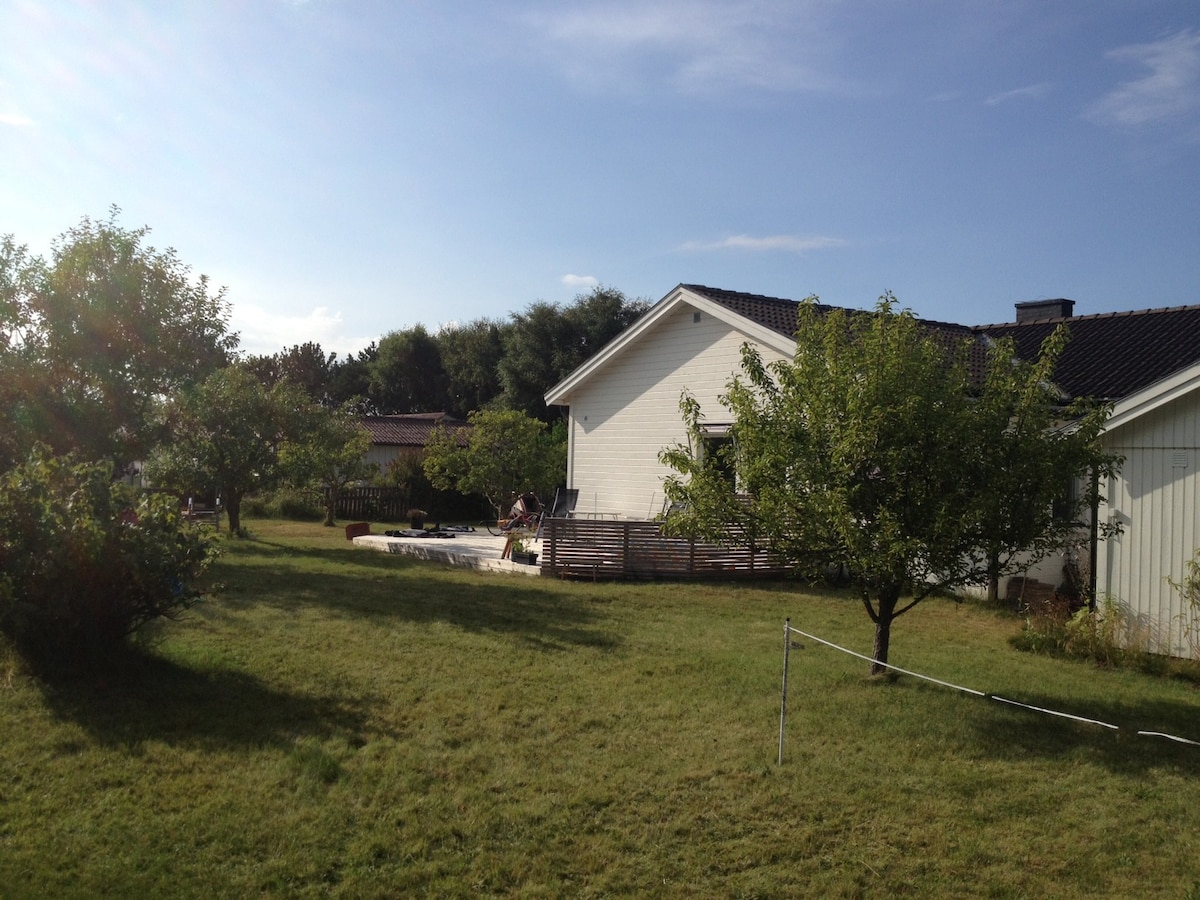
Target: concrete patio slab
471	550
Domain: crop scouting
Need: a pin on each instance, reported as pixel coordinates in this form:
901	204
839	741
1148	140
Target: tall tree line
483	364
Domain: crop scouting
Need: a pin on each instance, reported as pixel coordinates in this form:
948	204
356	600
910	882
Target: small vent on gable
1179	459
696	316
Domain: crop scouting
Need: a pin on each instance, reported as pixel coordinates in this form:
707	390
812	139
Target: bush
1188	589
1045	625
257	506
86	562
286	503
1096	634
1104	636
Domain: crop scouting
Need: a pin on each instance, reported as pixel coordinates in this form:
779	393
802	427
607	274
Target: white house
624	401
624	408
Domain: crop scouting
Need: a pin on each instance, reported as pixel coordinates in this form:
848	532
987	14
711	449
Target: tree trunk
993	593
233	508
331	502
887	601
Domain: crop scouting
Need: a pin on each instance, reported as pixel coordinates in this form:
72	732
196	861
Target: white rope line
1169	737
1052	712
869	659
967	690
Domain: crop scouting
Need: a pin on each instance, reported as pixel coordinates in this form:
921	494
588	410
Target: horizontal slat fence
587	548
378	503
391	504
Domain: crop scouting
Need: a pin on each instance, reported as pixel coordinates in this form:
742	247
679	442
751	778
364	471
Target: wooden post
787	646
625	560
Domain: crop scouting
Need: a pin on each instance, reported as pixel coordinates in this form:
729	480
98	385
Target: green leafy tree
85	562
350	380
1042	467
305	365
545	343
874	452
103	331
504	454
538	348
471	357
228	432
407	375
327	453
20	371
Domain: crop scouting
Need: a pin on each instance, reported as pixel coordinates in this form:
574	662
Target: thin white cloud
787	243
580	281
16	120
1030	92
696	45
263	332
1171	88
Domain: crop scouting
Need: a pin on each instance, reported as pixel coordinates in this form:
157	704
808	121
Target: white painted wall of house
620	422
1155	500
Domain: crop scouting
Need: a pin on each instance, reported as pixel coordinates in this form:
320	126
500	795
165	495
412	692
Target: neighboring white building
624	409
1156	500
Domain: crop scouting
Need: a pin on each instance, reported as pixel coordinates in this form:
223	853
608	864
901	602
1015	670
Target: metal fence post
787	646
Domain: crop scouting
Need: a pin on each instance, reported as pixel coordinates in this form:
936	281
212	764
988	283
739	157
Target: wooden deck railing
585	548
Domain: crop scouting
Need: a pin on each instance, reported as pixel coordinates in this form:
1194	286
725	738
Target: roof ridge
1092	316
825	306
418	415
703	288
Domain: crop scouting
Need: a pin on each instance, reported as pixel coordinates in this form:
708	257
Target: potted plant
416	518
522	555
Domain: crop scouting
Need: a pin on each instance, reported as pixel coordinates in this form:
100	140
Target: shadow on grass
355	582
144	697
1015	731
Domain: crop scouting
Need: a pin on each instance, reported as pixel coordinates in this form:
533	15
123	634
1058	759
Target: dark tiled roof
780	315
1109	356
408	430
770	312
1113	355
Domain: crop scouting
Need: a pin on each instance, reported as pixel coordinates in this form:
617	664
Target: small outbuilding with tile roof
393	437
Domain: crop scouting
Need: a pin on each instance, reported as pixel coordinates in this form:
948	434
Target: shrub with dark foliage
85	561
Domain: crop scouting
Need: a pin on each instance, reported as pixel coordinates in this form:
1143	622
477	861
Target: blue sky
351	168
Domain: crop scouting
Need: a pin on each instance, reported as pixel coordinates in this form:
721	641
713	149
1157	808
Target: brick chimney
1033	310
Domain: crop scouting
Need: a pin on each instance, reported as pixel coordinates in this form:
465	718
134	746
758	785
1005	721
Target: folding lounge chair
562	508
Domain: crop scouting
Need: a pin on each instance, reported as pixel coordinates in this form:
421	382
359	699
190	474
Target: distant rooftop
408	429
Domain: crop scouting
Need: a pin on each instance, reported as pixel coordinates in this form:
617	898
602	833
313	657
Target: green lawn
341	722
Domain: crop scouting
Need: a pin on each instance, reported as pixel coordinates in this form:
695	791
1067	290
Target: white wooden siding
1155	500
382	455
620	422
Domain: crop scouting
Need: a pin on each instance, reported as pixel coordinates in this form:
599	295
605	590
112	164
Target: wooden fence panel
585	548
381	504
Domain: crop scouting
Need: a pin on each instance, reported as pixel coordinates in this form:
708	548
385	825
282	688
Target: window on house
1066	499
717	444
